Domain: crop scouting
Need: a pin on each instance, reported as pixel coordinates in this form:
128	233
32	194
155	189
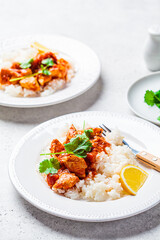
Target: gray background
116	31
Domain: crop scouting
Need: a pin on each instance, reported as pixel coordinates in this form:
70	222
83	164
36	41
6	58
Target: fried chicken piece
52	178
63	62
75	164
9	73
43	79
99	144
16	65
58	71
66	180
96	132
30	83
91	157
72	132
56	146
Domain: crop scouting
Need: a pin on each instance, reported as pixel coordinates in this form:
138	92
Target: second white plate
85	60
136	97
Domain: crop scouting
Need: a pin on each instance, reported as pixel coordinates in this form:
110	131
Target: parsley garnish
48	62
27	64
49	166
79	146
152	98
149	97
45	71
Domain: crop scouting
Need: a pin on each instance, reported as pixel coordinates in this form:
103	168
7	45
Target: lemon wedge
40	47
132	178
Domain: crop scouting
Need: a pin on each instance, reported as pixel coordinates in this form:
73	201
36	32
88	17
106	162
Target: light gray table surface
116	31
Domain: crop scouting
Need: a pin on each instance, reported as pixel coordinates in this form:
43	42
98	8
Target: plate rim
128	102
64	214
17	105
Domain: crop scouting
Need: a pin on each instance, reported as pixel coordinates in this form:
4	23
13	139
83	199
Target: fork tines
105	129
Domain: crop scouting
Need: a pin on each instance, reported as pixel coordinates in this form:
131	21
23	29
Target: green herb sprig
27	64
48	62
49	166
79	146
152	98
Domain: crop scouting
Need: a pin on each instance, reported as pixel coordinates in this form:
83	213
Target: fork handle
149	159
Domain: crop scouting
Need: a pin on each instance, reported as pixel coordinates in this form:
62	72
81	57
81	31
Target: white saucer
136	93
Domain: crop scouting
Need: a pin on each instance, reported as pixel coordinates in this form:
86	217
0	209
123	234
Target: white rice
106	184
16	90
53	86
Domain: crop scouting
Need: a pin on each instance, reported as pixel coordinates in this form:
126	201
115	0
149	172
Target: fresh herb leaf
48	62
149	97
27	64
46	72
55	163
152	98
88	132
74	142
79	145
83	147
158	93
157	96
42	67
158	105
49	166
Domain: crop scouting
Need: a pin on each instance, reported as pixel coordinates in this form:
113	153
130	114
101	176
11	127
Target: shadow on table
116	229
38	115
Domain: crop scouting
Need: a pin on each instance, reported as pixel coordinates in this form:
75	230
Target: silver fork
147	158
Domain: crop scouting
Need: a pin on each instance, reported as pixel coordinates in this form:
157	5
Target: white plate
136	97
22	169
85	60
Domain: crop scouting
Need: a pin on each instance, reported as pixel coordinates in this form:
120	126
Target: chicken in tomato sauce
85	164
39	74
76	156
